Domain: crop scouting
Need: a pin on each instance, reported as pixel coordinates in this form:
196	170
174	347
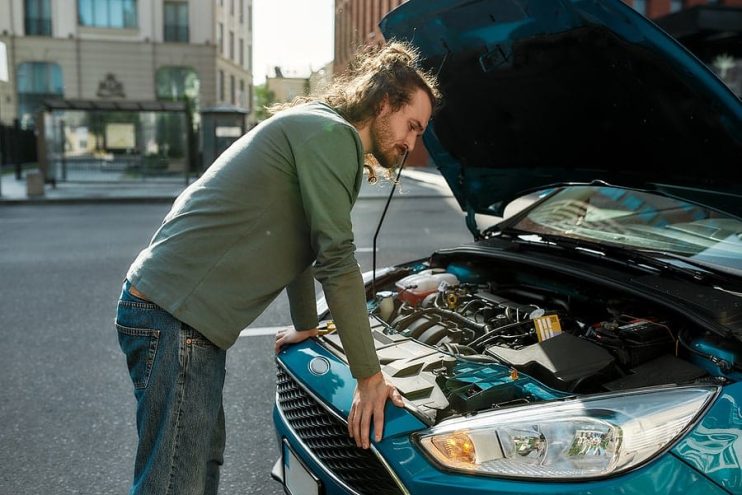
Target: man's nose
411	141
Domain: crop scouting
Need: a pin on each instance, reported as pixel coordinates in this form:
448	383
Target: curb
164	199
90	200
419	177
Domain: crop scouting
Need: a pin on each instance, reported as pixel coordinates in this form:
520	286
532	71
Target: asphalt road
66	402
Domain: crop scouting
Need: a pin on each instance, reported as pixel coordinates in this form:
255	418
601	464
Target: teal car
590	343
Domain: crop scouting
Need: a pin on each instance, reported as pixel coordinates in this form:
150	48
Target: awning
226	108
114	105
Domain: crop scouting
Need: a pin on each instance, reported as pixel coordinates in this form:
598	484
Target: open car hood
545	92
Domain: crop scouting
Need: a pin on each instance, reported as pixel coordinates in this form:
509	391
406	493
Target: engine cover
563	361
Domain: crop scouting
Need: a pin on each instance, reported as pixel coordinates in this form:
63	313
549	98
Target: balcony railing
38	26
177	33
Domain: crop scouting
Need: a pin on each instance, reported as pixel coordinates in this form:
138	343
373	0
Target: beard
382	143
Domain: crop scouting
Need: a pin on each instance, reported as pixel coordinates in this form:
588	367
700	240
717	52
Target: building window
241	49
176	83
242	94
220	38
176	22
38	17
232	91
641	6
220	85
108	13
249	17
36	82
242	11
676	5
249	57
231	45
231	7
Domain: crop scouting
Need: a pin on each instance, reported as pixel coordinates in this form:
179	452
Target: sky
296	35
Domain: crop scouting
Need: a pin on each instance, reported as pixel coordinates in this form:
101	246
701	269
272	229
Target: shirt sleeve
302	302
328	164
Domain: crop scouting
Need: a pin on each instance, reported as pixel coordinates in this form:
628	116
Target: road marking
366	249
256	332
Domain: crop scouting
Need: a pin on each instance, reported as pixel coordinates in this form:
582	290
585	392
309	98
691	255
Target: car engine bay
468	335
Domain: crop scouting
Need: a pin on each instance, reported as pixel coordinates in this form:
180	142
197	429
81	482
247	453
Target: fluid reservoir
385	301
413	288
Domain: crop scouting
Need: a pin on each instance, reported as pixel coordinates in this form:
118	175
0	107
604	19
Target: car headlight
576	438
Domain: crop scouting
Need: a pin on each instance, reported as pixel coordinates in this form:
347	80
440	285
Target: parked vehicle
591	343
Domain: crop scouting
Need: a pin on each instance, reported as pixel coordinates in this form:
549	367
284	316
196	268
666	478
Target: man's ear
384	107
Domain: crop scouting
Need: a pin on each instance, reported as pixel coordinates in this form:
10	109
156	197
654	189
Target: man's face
393	133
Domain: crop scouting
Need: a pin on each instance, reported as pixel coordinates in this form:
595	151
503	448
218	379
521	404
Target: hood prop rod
381	220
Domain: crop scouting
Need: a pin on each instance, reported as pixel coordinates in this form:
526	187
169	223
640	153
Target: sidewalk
415	182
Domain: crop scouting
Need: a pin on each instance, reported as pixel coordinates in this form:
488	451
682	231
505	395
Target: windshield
641	220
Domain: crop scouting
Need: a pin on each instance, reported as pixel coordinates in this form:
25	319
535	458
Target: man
272	212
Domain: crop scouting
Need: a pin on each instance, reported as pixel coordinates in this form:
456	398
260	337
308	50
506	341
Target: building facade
285	88
356	25
660	8
124	50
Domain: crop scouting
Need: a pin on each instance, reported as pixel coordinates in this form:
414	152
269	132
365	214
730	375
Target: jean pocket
194	337
140	347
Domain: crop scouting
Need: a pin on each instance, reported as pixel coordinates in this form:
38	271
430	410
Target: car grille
327	437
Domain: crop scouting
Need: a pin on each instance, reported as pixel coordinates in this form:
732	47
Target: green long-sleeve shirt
275	203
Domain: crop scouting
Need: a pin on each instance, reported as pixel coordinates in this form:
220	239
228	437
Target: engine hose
405	321
466	353
497	332
460	319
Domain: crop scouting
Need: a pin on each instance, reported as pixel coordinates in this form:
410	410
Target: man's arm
302	301
303	311
328	168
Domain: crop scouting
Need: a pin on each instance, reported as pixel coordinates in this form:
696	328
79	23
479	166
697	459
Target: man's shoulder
310	113
308	121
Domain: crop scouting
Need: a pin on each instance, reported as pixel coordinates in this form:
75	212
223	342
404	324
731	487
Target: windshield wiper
696	264
636	258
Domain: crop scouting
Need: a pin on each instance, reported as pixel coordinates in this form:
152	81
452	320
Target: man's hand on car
293	336
369	399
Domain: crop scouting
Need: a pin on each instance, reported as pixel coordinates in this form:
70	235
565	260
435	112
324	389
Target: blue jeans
178	376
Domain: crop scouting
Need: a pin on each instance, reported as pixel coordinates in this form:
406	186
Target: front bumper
397	466
319	437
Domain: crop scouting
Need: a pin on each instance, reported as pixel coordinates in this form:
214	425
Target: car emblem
319	366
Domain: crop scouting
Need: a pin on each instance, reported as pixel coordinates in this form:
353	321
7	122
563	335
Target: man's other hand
293	336
368	401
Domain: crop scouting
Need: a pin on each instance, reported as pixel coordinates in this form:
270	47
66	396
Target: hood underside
540	92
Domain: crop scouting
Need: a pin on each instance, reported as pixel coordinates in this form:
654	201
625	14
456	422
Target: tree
264	98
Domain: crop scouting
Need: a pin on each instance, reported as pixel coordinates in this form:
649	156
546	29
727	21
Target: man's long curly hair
388	72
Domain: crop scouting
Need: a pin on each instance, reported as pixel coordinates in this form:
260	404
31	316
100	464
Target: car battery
644	340
635	341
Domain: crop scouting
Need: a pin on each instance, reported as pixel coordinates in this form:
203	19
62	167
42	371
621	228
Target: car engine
463	337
